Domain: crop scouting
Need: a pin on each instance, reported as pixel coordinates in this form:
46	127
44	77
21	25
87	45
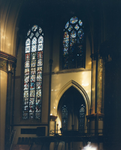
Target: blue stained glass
32	85
80	23
80	34
67	25
38	85
33	63
73	20
70	28
73	34
32	34
76	27
37	34
34	28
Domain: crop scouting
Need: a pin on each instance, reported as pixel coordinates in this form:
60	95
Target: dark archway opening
70	110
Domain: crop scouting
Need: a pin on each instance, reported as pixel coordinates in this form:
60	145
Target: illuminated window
64	117
32	97
73	44
82	118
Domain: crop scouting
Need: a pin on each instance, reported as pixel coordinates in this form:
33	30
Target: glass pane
70	28
32	78
26	94
28	42
27	64
37	115
34	48
39	62
80	34
25	115
38	85
26	79
38	93
40	55
26	72
40	40
27	56
33	63
28	33
76	27
32	86
67	25
40	47
25	101
32	93
73	20
27	49
37	34
31	36
33	71
40	30
34	40
80	22
34	28
73	34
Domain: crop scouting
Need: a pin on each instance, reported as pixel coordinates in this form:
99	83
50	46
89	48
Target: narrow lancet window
32	97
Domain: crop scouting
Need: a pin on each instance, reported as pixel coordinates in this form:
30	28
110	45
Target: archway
69	108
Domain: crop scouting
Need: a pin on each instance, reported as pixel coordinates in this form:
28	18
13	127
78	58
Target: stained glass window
64	117
81	118
32	95
73	44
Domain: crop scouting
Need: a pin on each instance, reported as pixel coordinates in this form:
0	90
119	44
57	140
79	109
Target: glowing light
89	147
54	107
51	114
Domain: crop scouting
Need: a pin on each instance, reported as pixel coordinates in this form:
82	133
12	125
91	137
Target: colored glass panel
27	49
73	34
80	23
70	28
33	74
73	20
34	28
76	27
73	41
67	25
40	40
28	41
40	47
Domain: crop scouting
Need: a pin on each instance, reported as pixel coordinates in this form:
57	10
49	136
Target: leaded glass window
81	118
64	117
73	44
32	97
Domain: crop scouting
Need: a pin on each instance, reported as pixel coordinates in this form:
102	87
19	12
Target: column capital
7	61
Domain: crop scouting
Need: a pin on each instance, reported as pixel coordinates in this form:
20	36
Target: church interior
60	69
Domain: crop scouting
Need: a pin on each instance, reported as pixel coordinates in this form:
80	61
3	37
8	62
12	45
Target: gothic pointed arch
33	66
73	44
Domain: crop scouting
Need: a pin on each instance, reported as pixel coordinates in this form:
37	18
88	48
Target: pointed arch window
81	118
64	117
73	44
33	66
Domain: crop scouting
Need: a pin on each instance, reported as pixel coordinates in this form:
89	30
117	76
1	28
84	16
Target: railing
85	132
